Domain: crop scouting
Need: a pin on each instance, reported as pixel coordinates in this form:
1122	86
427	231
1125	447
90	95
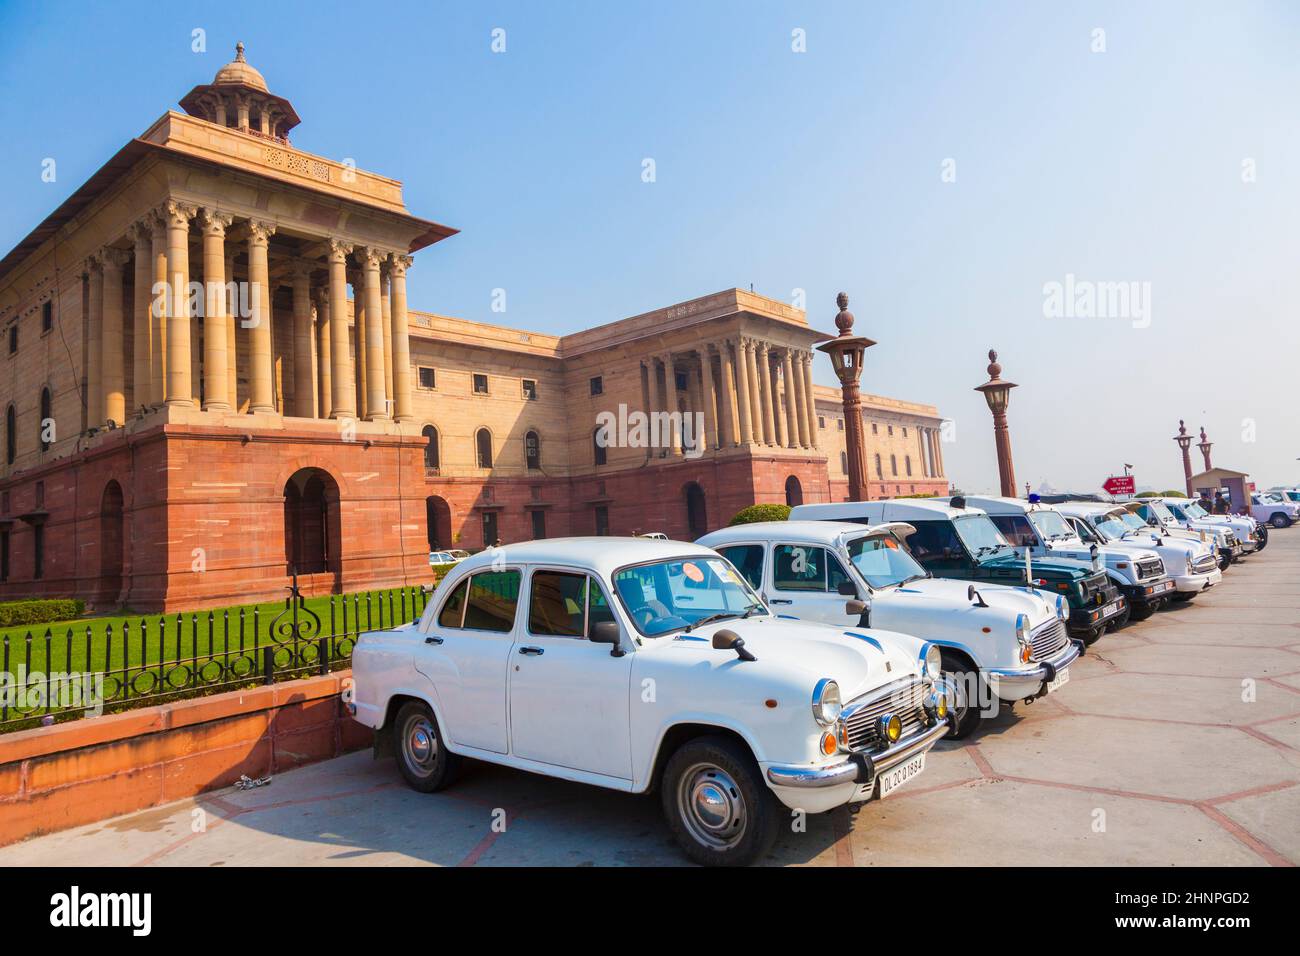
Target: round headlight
933	662
1061	610
826	703
890	727
1022	627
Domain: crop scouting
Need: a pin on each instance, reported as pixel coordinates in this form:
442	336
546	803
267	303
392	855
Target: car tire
959	675
1279	521
1120	620
424	761
1225	560
720	810
1182	597
1140	612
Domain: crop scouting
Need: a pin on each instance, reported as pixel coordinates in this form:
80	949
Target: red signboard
1120	485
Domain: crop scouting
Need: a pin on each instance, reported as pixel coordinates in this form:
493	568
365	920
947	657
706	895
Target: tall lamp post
998	393
1185	443
846	352
1205	445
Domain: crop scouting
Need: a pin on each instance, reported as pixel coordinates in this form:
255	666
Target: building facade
214	380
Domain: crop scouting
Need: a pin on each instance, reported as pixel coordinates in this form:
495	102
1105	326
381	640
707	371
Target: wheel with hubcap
716	803
1279	521
962	678
425	763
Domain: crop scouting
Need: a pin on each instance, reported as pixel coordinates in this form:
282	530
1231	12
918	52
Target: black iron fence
92	667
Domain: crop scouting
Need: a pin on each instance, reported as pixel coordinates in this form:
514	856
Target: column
158	309
755	400
232	322
938	455
764	370
302	334
778	420
695	412
357	338
141	337
742	392
787	380
323	364
674	436
179	384
710	398
112	364
806	360
216	367
386	310
800	399
343	403
94	343
376	398
261	397
728	393
401	340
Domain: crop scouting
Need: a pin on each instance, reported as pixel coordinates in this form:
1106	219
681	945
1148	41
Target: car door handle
532	651
780	601
433	640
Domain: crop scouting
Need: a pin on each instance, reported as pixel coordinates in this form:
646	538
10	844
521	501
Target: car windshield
1133	521
1162	512
980	535
1112	527
1194	510
882	561
1051	525
678	594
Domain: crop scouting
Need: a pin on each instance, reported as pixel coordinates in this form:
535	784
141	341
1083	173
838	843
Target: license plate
1162	588
1110	610
891	780
1062	678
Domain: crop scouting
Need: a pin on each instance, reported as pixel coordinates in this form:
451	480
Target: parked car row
770	668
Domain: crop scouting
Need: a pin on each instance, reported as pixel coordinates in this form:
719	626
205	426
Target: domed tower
238	98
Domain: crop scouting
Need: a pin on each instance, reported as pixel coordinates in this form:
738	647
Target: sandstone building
286	408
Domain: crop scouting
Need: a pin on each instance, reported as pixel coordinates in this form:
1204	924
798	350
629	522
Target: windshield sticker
692	572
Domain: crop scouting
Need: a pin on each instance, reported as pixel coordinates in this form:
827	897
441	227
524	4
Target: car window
669	595
881	560
835	573
1017	530
934	541
799	567
453	609
557	604
598	608
748	559
493	596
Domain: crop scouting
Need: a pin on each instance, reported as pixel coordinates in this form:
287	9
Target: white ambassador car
637	664
1191	564
996	643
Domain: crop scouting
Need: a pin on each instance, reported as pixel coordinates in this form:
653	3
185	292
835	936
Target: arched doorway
111	543
311	523
697	517
793	491
437	519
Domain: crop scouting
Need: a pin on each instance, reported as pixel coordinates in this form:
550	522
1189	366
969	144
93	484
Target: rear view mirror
727	640
854	607
606	632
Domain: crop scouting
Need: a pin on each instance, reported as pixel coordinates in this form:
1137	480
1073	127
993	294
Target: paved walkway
1176	741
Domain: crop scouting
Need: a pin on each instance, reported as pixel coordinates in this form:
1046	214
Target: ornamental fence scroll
88	669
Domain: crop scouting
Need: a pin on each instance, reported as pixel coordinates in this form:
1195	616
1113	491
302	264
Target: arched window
893	465
45	419
597	448
879	473
11	435
793	491
907	463
844	462
483	447
532	450
697	517
432	457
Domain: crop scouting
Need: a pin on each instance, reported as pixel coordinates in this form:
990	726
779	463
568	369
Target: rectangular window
38	551
539	524
821	421
602	520
453	611
597	385
748	559
47	315
493	597
530	390
1017	530
904	431
873	428
4	555
480	384
427	378
557	604
799	568
891	429
839	423
490	537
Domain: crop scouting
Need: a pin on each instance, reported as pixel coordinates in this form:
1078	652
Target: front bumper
821	788
1196	583
1091	620
1017	683
1149	591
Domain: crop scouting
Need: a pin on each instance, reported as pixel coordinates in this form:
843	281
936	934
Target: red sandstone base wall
53	778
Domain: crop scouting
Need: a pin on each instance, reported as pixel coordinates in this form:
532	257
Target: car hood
858	659
942	593
1063	566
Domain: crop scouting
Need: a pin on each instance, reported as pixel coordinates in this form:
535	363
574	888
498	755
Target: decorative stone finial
1182	428
1203	435
844	320
995	370
239	52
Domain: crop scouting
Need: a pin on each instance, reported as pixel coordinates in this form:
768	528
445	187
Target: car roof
884	510
999	504
603	555
822	532
1088	507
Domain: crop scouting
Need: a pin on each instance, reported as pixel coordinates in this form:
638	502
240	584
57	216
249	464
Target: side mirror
606	632
726	640
975	597
848	589
854	607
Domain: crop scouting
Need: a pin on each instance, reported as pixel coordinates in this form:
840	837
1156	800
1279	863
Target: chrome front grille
1150	568
1047	639
1100	590
903	698
1204	564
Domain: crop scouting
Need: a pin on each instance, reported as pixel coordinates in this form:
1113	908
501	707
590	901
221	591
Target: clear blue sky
818	171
